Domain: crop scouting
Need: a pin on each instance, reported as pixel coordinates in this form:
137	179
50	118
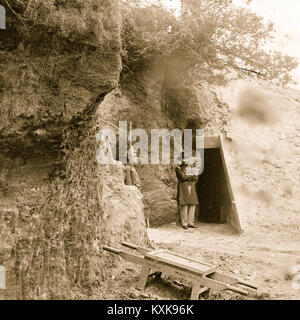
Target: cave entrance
215	195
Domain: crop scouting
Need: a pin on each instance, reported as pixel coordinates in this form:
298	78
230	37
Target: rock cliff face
160	96
59	64
56	65
57	205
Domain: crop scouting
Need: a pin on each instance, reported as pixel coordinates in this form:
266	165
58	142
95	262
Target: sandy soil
264	261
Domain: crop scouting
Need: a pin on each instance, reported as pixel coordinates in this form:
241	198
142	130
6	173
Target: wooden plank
197	261
172	270
191	276
141	250
211	142
235	220
197	290
184	262
223	278
181	268
230	280
132	258
143	277
181	262
126	256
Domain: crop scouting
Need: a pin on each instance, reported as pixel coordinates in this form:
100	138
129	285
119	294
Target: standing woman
186	195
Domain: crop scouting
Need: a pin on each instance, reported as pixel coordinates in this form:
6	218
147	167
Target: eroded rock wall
164	95
58	206
54	64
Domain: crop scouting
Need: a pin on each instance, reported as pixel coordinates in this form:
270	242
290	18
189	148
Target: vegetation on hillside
212	36
80	21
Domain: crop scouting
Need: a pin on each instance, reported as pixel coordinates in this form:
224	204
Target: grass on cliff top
95	22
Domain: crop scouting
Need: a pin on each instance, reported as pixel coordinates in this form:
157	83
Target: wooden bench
202	275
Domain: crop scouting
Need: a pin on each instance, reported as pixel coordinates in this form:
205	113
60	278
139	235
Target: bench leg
197	290
143	278
205	293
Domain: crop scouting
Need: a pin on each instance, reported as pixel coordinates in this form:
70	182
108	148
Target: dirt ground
263	159
262	260
265	260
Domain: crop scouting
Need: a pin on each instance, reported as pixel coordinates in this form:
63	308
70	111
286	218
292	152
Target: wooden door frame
217	142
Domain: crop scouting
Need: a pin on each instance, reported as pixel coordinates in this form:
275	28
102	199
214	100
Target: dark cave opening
213	195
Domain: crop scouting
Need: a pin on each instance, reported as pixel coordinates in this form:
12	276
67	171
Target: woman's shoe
192	226
184	227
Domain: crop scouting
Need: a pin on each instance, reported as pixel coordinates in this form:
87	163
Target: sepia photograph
150	150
